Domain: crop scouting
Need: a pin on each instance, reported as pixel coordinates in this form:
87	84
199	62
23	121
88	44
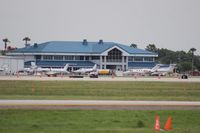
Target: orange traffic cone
17	75
168	124
157	123
33	88
113	76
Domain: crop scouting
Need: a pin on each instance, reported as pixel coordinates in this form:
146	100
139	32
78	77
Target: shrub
140	124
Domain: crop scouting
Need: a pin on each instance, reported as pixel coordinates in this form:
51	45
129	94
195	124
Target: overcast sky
172	24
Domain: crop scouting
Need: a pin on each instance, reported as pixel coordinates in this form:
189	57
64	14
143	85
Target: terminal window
69	57
47	57
58	57
138	58
148	59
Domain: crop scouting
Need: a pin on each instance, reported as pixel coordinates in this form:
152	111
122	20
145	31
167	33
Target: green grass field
94	121
99	90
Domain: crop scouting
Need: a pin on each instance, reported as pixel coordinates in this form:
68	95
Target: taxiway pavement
101	104
106	78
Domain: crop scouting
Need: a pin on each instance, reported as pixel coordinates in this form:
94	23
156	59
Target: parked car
93	75
184	76
21	73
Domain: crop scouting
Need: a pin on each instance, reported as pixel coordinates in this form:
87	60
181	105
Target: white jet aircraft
142	71
35	68
164	71
30	69
4	68
47	71
39	69
57	71
86	70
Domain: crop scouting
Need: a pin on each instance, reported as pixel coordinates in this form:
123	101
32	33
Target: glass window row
145	59
70	57
110	58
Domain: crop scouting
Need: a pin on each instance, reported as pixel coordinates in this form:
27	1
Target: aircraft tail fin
156	67
168	124
33	65
66	67
94	67
157	123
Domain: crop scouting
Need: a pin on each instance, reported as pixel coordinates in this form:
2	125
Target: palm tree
133	45
151	47
5	40
192	50
26	39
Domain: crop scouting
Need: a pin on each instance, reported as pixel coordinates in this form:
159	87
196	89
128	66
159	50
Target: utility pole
192	50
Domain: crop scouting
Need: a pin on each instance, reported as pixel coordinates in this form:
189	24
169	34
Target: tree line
186	61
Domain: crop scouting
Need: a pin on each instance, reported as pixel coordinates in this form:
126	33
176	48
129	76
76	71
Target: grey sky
172	24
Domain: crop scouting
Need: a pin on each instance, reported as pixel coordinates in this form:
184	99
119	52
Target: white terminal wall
12	64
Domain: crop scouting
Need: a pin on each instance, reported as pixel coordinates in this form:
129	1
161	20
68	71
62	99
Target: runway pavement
103	78
100	104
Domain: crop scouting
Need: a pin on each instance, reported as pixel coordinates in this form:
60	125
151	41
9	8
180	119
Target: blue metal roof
132	50
78	47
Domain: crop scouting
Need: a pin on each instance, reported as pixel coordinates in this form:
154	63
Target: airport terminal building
84	54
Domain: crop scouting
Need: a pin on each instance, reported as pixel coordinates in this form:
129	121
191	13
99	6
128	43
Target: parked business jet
27	70
40	69
35	68
164	71
4	68
86	70
48	71
57	71
142	71
1	69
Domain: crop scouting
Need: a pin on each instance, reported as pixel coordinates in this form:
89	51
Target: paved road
151	79
99	104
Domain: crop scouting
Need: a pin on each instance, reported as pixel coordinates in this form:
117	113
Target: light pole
192	63
192	50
